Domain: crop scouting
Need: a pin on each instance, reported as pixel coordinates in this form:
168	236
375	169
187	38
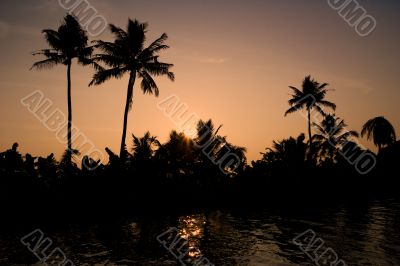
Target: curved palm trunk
69	149
309	134
129	96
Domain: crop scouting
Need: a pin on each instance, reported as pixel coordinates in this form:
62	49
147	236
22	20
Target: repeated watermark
315	248
364	162
355	15
87	15
53	119
187	122
179	248
42	247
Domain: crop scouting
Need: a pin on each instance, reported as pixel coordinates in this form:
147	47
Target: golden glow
233	63
191	228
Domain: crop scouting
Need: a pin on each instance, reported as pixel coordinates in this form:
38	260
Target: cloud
212	60
357	84
190	55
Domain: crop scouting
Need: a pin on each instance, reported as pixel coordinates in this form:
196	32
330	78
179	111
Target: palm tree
240	152
332	134
68	42
144	148
206	132
212	147
178	154
289	153
67	165
127	54
380	130
311	96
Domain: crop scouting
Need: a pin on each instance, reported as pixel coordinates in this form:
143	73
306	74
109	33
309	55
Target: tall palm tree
127	55
68	42
380	130
331	135
312	95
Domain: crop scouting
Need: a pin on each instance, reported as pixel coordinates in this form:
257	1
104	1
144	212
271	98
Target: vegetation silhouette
188	172
381	131
332	134
311	96
181	174
68	42
128	55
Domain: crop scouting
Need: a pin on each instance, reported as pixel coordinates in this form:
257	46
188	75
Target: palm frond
136	36
380	130
327	104
148	85
110	60
102	76
119	33
47	63
297	92
154	47
159	69
52	38
293	109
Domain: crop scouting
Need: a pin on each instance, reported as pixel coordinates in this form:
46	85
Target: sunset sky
234	61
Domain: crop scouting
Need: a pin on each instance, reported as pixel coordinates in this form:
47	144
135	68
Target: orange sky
233	63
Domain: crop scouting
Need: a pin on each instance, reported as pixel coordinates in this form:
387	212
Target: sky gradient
233	63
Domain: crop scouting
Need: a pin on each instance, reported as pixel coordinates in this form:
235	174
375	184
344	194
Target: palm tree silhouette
380	130
211	145
145	147
68	42
311	95
128	55
239	151
205	132
331	135
178	154
289	153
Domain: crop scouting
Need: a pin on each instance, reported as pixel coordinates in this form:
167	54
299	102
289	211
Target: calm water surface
361	234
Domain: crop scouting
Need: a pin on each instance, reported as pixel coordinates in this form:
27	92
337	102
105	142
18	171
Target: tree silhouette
288	153
213	148
68	42
311	95
380	130
331	135
144	148
127	54
11	160
177	153
65	164
240	152
47	168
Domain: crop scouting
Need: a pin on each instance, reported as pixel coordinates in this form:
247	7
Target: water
360	234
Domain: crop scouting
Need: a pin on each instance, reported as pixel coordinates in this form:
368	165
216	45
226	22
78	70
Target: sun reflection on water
191	228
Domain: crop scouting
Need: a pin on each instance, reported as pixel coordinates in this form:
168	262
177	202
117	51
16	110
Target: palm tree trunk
69	149
129	96
309	134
